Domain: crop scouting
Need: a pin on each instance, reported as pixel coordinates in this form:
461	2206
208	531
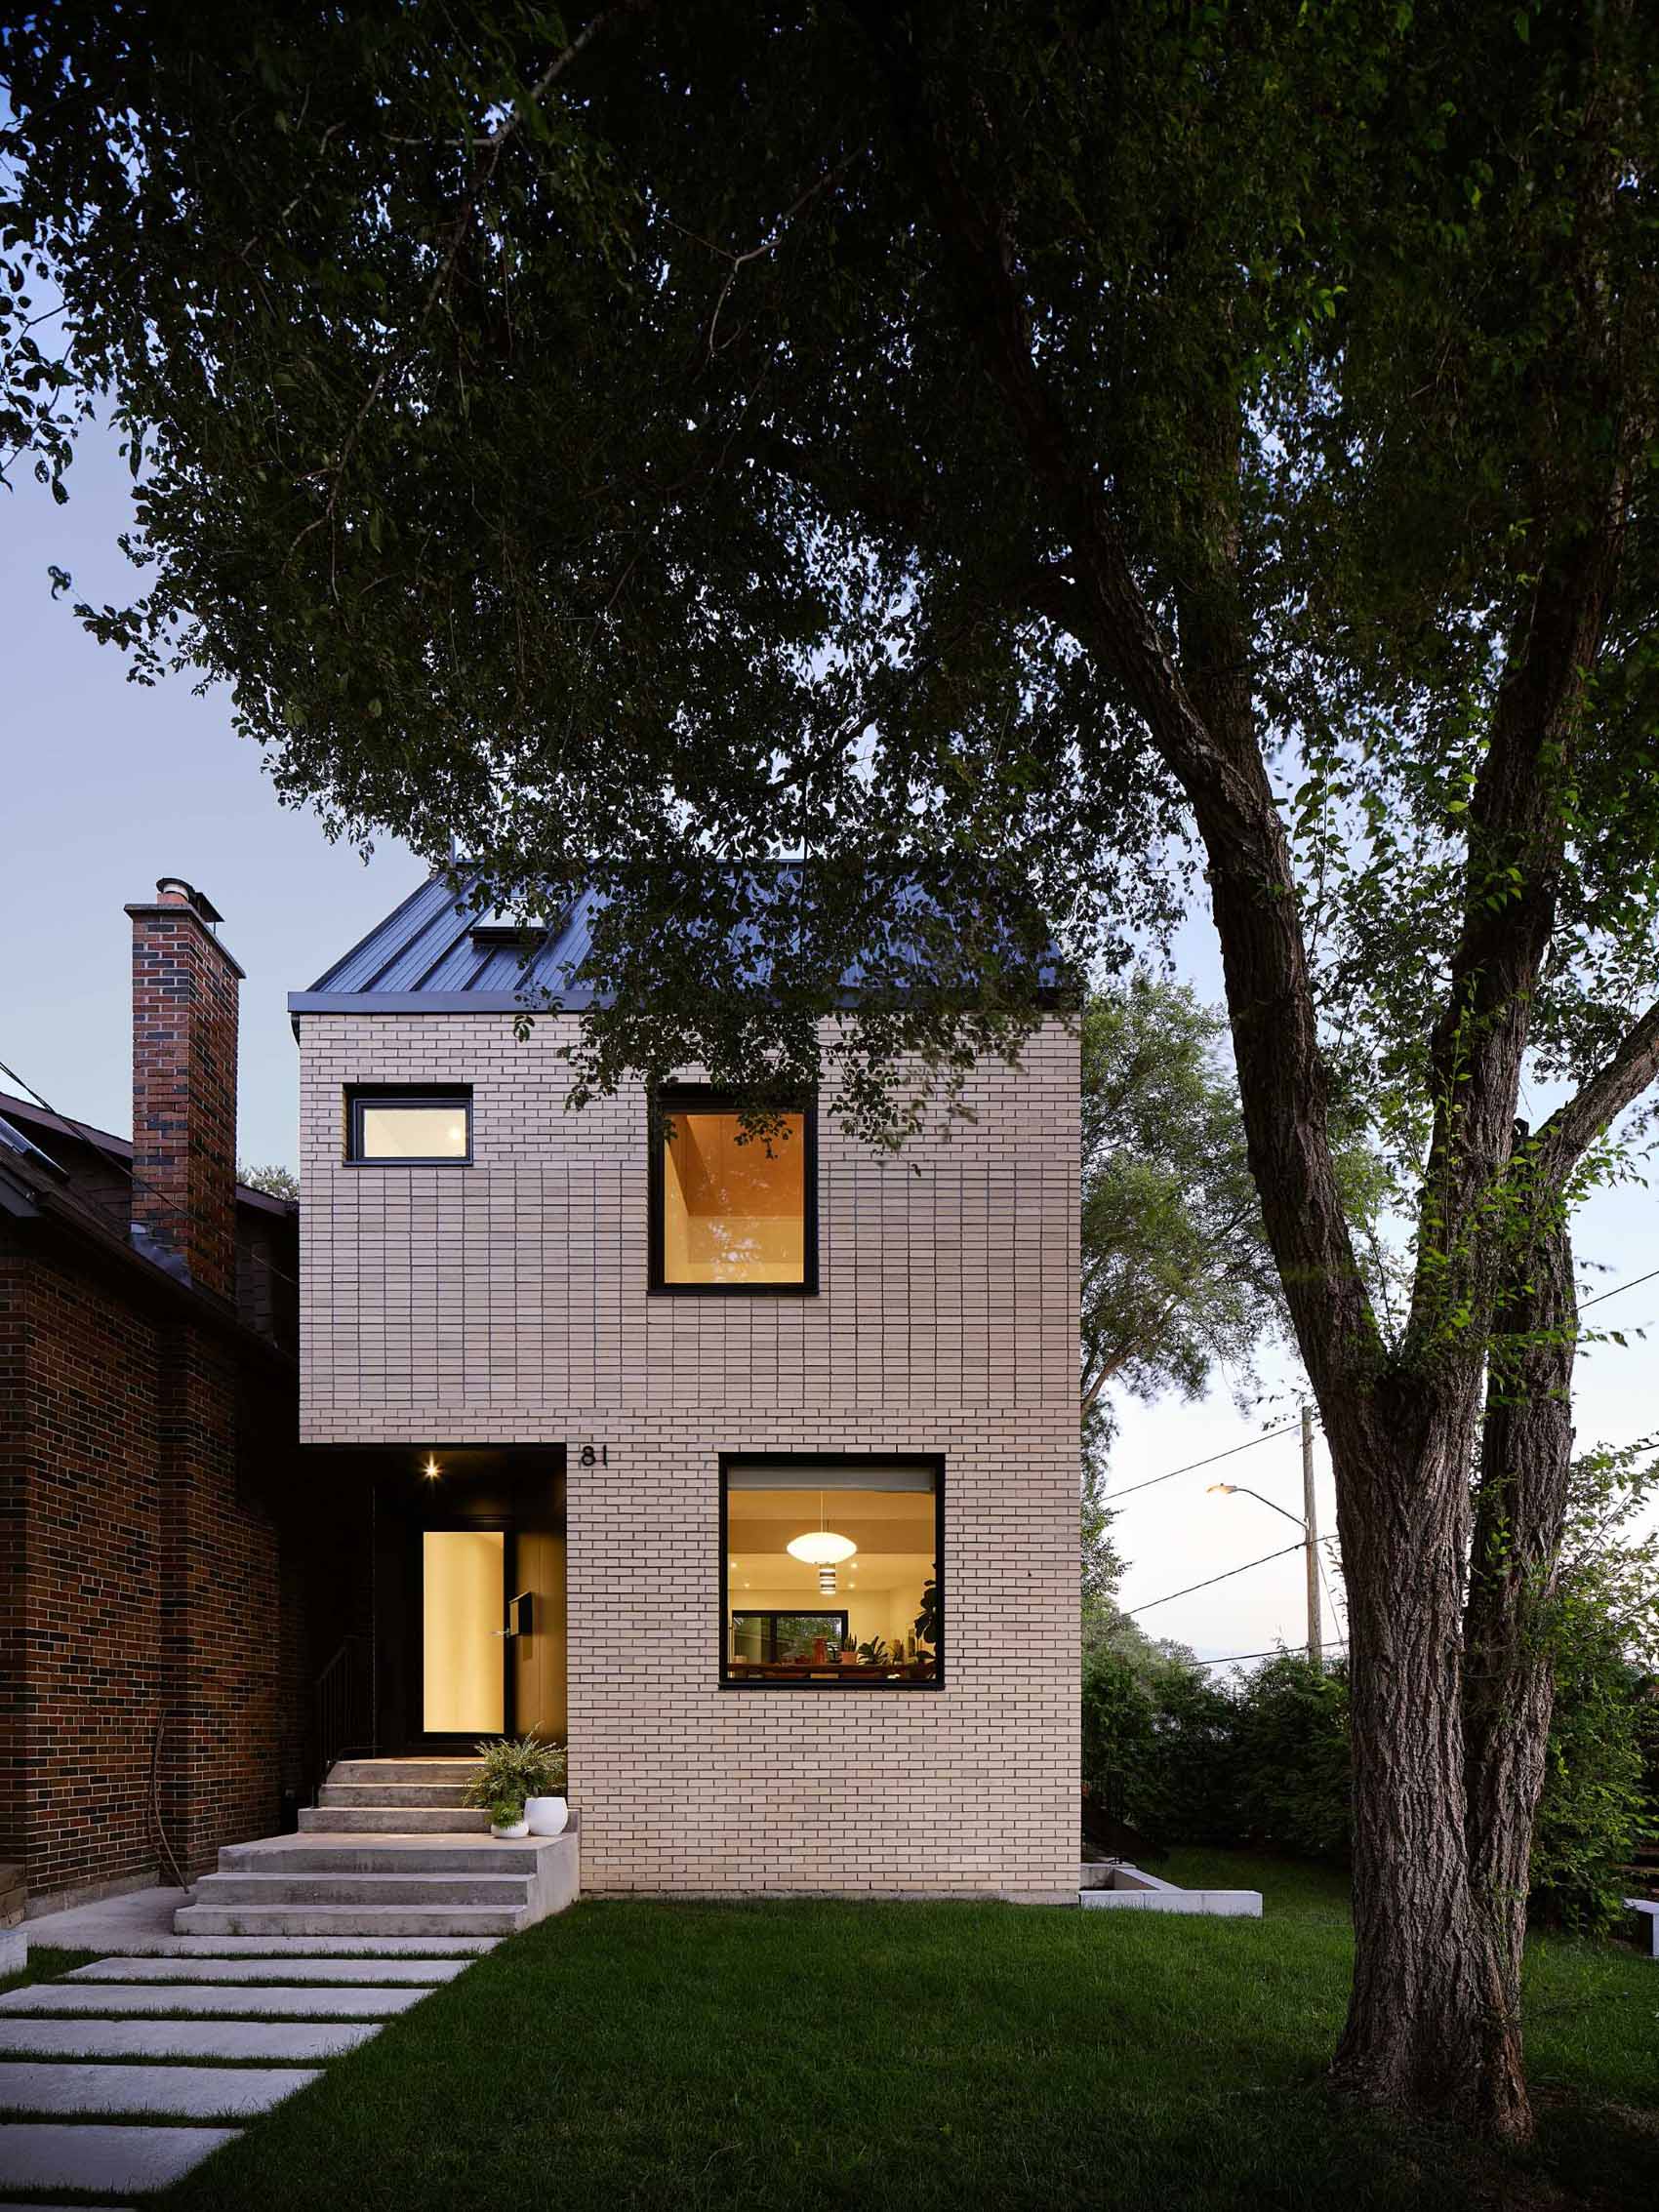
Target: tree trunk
1417	2034
1509	1670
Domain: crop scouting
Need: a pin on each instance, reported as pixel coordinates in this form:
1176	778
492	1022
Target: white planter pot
506	1834
547	1816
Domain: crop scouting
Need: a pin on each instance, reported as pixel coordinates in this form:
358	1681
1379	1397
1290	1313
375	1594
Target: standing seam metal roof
438	947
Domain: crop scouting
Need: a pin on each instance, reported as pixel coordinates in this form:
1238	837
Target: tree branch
1619	1082
1270	996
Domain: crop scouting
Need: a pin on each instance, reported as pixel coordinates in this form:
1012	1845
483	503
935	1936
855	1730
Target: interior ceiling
877	1521
868	1573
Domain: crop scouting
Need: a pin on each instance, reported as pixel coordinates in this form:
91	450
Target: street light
1305	1521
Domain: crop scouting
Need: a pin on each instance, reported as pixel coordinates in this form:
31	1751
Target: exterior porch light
431	1471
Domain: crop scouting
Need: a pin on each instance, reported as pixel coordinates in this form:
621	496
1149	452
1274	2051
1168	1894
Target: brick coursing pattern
185	1032
148	1578
152	1502
506	1302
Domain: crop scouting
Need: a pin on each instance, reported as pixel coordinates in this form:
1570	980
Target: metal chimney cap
203	904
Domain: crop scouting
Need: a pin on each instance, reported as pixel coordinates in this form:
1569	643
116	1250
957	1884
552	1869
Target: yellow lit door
462	1616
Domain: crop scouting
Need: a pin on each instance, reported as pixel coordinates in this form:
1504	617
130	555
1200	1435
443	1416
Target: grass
820	2057
45	1964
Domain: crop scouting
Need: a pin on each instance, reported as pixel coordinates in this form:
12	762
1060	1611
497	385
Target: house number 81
593	1458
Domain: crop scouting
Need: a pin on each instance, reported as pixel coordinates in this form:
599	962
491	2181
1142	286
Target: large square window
409	1128
733	1209
830	1573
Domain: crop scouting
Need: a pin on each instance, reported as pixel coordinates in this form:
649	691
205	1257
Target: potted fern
514	1784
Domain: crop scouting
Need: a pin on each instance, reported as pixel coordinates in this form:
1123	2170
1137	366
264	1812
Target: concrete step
344	1922
394	1820
384	1793
294	1855
403	1770
362	1889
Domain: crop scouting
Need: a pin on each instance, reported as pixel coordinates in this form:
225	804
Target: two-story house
750	1467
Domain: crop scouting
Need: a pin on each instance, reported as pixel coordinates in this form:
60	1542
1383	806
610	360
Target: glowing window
733	1209
832	1573
409	1128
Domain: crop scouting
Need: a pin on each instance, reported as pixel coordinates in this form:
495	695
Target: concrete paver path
120	2160
184	2092
251	1973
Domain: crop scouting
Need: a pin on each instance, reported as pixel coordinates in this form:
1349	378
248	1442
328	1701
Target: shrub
515	1768
1293	1767
1594	1808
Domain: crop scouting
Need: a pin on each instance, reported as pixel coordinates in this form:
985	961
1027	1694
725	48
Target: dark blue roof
443	950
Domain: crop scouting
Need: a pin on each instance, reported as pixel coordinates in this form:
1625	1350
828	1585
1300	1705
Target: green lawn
45	1964
913	2058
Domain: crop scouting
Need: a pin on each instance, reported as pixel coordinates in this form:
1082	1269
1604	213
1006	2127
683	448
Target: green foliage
1176	1274
1594	1808
1598	1802
1156	1746
514	1769
928	1619
276	1182
1292	1761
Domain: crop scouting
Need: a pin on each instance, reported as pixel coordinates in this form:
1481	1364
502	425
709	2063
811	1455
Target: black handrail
344	1709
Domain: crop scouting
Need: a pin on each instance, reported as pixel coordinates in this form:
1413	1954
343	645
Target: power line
1232	1453
1618	1287
1235	1657
1286	1428
1227	1577
1231	1572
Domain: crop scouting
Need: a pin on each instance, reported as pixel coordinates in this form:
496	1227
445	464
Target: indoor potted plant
514	1784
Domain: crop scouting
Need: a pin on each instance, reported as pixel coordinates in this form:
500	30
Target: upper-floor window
732	1209
416	1126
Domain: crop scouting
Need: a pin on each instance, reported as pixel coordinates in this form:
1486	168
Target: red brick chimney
185	989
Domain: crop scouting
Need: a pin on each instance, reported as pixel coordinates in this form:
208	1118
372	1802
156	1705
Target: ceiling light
821	1547
825	1581
431	1471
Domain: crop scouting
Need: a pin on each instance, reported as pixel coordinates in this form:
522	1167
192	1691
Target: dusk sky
109	785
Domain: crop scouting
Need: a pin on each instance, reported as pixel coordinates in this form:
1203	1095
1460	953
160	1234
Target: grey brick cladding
506	1302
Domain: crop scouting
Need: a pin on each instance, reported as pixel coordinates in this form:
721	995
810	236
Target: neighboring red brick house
158	1610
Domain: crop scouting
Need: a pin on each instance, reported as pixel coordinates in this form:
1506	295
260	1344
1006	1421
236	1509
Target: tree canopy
1028	454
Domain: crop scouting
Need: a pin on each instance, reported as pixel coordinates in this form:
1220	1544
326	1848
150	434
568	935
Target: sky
106	787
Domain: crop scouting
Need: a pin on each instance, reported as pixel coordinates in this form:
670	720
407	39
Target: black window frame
704	1098
839	1682
361	1095
773	1614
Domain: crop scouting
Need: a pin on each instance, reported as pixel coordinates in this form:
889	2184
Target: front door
465	1679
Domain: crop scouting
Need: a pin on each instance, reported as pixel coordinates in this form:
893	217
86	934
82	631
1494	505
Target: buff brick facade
505	1301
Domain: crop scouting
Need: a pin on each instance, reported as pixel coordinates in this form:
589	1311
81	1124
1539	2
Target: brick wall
184	1018
145	1576
507	1303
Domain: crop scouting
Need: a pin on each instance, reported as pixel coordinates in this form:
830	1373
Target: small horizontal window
409	1128
732	1209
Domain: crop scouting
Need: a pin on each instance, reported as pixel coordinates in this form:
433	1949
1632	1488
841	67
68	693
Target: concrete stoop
406	1860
